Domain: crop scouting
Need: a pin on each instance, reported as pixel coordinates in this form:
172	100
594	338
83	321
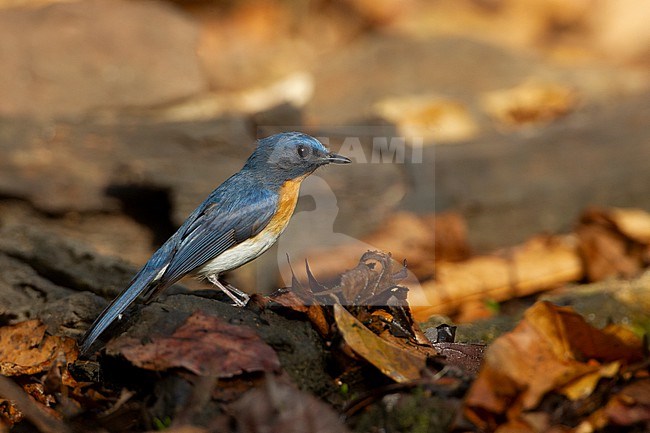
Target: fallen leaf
541	263
9	414
467	357
25	349
583	386
289	299
203	344
304	305
19	405
450	240
399	364
373	282
553	349
437	119
633	223
529	103
613	242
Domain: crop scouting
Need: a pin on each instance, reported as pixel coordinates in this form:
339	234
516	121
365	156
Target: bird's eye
302	151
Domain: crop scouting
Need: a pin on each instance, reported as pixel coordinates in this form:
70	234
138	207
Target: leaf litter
552	372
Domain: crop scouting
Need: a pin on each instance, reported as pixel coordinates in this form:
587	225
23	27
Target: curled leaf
399	364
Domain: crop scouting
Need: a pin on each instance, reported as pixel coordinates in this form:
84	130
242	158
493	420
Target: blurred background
118	117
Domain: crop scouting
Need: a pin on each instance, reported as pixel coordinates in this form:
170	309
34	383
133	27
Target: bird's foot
239	298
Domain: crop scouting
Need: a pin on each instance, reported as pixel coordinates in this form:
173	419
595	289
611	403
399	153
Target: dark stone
297	344
92	167
54	280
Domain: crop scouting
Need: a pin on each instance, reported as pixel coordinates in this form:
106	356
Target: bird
242	218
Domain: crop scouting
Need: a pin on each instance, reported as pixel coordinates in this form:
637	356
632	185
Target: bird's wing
219	227
229	216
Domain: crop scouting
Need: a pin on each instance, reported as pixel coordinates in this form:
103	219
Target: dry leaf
553	349
439	120
204	345
289	299
613	242
371	293
302	304
399	364
374	281
465	356
529	103
25	349
633	223
541	263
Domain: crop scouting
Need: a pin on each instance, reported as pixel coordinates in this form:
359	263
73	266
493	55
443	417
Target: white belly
238	255
251	248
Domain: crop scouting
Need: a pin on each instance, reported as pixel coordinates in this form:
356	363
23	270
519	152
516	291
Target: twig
43	421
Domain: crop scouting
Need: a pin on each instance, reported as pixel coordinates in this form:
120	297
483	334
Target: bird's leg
239	298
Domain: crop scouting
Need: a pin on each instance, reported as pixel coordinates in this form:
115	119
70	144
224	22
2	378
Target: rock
352	81
297	344
90	167
509	187
64	262
72	58
56	280
348	87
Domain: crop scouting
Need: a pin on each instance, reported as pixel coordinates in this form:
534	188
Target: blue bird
238	221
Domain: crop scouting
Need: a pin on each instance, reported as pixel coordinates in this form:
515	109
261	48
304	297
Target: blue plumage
228	229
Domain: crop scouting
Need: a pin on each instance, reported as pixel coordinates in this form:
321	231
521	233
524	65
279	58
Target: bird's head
291	155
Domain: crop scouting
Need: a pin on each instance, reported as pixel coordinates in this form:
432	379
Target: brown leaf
20	405
319	319
25	349
633	223
467	357
543	262
205	345
432	117
289	299
398	363
449	236
371	291
373	282
552	349
529	103
613	242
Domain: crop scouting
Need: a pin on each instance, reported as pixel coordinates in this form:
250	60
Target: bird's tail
138	285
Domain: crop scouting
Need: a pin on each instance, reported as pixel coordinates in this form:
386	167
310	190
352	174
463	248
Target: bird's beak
334	158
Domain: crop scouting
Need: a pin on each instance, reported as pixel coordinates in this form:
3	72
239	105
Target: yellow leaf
399	364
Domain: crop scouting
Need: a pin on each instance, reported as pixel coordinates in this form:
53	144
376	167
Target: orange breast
288	197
